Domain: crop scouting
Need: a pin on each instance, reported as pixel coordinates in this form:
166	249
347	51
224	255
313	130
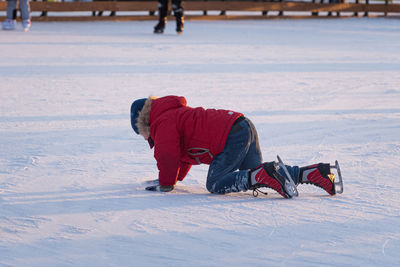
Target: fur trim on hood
142	122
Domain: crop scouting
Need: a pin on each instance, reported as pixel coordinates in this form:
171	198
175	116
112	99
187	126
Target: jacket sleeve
167	152
183	170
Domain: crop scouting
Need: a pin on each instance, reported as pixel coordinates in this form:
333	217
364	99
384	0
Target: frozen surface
72	172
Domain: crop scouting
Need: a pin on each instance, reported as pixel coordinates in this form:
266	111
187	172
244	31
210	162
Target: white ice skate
26	24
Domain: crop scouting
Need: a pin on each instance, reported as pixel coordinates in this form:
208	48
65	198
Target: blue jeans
229	170
24	7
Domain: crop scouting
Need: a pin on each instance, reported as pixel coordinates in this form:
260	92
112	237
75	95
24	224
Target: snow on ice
72	172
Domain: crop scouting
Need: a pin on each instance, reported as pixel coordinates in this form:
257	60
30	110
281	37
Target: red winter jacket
185	136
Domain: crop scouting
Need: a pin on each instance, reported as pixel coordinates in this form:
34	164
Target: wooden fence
145	9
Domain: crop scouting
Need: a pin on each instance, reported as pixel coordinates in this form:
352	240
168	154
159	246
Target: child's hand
160	188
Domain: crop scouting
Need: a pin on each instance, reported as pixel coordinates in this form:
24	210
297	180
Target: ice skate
159	28
319	175
26	24
266	175
179	24
8	25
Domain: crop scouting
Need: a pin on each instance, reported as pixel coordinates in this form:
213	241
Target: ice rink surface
72	172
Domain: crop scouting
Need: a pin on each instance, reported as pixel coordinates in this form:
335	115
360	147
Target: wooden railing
258	9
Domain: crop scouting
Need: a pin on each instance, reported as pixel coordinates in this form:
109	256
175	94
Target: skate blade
339	183
290	187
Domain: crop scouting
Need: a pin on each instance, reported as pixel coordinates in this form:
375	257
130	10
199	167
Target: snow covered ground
72	172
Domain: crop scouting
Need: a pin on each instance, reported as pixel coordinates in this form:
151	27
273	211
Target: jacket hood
153	108
163	104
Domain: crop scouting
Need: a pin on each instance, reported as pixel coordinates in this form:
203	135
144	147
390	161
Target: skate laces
256	191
